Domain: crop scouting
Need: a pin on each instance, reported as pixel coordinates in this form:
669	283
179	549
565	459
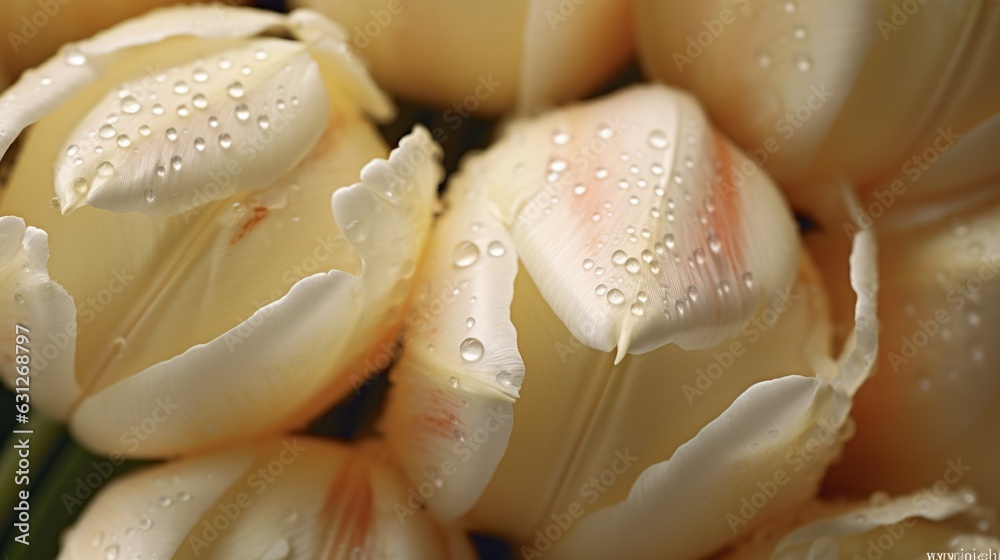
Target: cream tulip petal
571	49
450	411
911	526
155	145
151	512
640	224
293	356
927	505
579	413
300	498
773	75
937	363
952	90
692	502
44	89
342	70
32	300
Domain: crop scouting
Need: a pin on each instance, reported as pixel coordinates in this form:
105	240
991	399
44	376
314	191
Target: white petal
165	144
640	224
905	527
937	363
295	356
38	307
152	512
450	411
571	49
756	66
579	410
44	89
292	498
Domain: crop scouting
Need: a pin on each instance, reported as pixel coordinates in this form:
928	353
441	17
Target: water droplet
799	32
454	382
748	280
509	380
80	185
260	55
200	75
263	122
158	109
105	169
235	90
199	144
199	101
145	523
72	150
124	141
496	249
465	254
657	139
714	243
176	163
242	112
280	550
164	501
161	171
181	87
471	349
150	196
183	497
225	141
111	552
107	131
632	265
764	58
588	264
75	58
619	257
636	310
790	7
183	111
615	296
802	62
601	173
171	134
144	130
225	64
560	137
601	289
130	105
470	322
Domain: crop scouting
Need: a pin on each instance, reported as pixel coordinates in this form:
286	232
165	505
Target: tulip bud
295	497
243	305
934	402
627	224
486	58
801	83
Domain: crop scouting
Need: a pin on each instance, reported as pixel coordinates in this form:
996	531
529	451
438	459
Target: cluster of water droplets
175	111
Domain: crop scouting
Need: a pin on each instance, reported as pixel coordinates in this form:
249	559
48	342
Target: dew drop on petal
471	349
466	254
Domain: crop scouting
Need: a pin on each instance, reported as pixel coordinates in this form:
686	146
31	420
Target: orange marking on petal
259	213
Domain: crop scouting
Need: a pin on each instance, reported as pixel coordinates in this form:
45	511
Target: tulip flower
830	89
35	29
486	59
223	299
618	346
931	520
292	498
937	364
